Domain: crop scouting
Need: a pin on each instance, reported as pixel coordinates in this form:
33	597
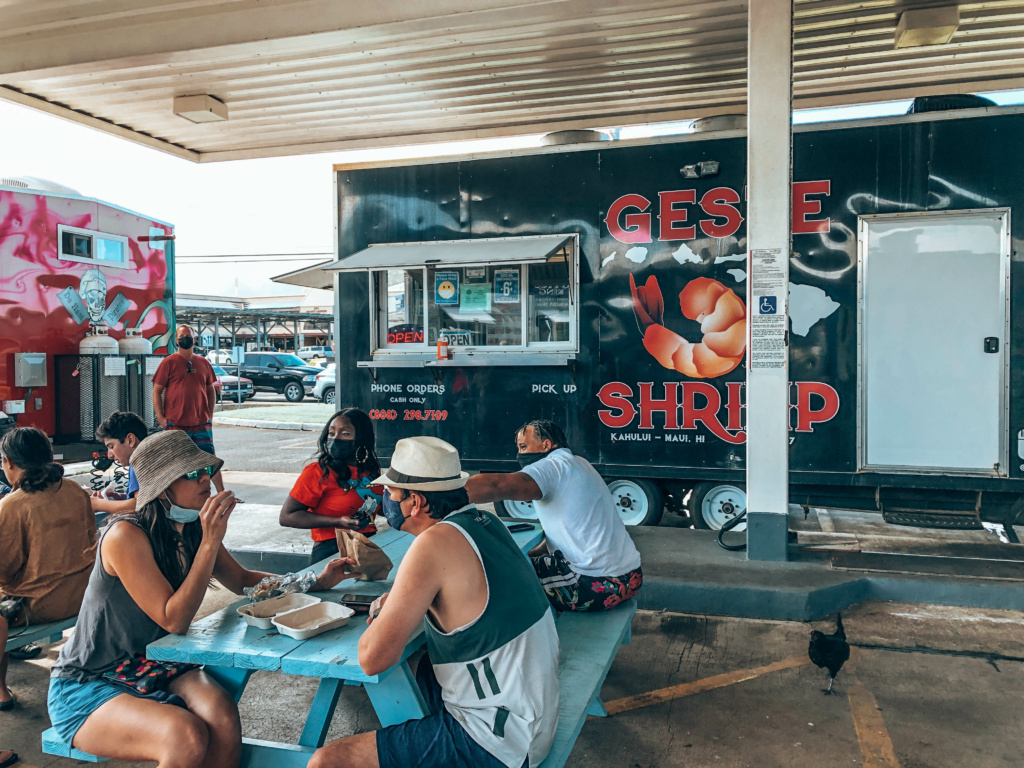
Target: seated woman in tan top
47	538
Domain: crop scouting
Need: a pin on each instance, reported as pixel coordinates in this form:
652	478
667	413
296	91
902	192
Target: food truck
604	286
81	280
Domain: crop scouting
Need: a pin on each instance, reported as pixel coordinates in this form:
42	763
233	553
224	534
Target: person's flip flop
7	758
6	706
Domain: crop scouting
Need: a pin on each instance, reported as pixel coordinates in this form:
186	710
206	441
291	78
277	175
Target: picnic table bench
51	632
231	651
587	646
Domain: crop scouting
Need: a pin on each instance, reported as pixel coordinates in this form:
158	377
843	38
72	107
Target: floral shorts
569	591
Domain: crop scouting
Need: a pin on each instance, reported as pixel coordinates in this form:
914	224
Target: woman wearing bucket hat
490	678
152	571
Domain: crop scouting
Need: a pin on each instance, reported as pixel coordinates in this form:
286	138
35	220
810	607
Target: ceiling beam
83	118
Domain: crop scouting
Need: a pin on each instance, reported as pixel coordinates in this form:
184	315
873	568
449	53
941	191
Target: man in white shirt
587	561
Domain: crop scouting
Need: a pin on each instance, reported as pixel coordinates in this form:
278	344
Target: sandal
7	706
7	758
29	651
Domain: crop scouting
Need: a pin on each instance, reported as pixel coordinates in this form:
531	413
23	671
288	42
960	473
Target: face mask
339	449
393	511
182	515
186	342
526	459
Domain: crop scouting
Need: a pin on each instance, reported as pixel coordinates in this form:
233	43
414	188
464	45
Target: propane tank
134	344
140	384
92	409
97	342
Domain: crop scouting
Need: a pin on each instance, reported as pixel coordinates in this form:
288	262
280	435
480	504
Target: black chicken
829	651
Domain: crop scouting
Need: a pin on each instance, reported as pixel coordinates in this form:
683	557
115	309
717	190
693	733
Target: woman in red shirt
334	491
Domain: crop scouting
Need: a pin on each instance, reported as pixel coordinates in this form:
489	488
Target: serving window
504	305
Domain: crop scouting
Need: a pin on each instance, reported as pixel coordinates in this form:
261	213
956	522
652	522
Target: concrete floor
926	694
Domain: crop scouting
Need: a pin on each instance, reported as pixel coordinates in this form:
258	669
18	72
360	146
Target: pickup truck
279	372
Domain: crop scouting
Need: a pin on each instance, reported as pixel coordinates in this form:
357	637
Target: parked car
219	357
308	353
323	389
280	372
227	386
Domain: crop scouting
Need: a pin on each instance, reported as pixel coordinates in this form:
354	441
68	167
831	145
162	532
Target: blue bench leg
596	707
231	679
318	721
56	637
396	697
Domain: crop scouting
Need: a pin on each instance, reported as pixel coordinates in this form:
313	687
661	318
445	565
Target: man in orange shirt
183	394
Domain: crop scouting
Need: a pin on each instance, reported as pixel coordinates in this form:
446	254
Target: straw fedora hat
423	464
162	458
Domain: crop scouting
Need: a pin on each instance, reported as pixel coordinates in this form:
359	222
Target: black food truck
603	286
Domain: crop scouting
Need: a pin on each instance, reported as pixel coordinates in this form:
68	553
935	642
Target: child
121	433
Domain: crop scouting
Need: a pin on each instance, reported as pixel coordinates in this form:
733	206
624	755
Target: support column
769	202
296	350
216	332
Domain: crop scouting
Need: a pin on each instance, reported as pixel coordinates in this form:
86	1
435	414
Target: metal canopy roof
453	253
313	276
313	75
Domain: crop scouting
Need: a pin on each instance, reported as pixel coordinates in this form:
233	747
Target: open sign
405	334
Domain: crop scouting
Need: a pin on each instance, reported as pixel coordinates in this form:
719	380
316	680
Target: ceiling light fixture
927	26
200	109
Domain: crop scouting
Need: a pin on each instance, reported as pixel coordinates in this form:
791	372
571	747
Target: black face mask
340	449
186	342
525	459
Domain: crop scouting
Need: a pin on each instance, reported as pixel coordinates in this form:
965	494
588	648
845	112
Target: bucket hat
423	464
162	458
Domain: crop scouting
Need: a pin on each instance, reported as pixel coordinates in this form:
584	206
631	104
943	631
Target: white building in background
285	323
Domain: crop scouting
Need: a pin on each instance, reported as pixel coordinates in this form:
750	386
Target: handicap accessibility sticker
768	305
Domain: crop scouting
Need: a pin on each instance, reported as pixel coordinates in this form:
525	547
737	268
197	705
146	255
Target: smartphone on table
359	603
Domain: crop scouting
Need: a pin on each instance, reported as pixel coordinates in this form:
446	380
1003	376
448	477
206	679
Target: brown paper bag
371	562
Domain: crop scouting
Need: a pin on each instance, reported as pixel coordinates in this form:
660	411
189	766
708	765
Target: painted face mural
93	290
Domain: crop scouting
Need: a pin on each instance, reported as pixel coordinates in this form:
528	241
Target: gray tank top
111	627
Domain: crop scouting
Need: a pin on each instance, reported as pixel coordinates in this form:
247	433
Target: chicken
829	652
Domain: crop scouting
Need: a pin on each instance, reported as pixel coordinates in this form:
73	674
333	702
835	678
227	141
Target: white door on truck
933	327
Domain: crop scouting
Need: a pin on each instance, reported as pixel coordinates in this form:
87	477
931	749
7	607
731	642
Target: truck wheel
638	502
522	510
293	392
328	396
712	505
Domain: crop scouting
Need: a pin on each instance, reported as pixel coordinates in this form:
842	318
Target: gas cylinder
96	404
140	384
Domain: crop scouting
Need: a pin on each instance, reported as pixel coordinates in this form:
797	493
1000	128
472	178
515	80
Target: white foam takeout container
262	614
313	620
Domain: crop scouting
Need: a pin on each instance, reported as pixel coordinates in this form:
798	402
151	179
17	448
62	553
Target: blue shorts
436	741
70	702
201	436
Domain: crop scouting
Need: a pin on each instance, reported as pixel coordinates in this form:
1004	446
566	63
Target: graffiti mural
48	304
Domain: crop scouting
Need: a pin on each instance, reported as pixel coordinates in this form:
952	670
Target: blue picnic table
231	651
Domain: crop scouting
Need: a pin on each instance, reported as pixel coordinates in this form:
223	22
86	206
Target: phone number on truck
392	415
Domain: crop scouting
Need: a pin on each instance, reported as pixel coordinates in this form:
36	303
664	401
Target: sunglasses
195	474
189	364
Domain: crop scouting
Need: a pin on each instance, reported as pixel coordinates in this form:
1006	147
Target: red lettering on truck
701	403
720	204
